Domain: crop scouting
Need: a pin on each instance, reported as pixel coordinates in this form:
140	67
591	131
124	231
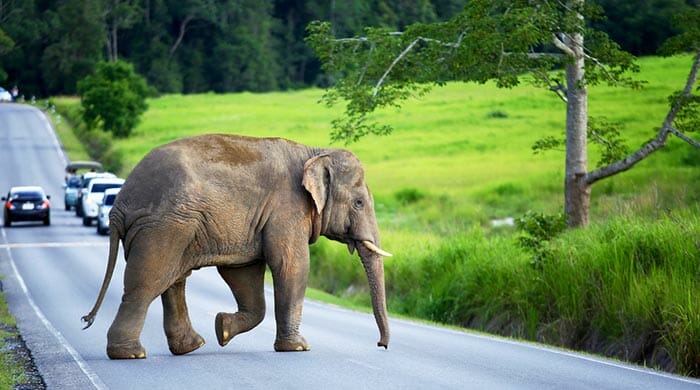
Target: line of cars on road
91	193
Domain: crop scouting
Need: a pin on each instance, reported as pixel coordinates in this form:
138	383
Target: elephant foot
223	324
185	344
297	344
129	350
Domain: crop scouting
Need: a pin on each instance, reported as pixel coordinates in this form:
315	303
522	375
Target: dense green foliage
452	167
501	40
196	46
647	19
114	98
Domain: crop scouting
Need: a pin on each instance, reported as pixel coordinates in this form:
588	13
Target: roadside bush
113	98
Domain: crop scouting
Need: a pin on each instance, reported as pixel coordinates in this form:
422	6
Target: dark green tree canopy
192	46
113	98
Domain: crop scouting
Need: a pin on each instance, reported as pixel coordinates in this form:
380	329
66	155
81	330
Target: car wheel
8	223
67	207
87	221
47	221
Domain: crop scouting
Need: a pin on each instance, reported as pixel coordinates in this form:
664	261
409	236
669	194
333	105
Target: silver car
103	209
93	193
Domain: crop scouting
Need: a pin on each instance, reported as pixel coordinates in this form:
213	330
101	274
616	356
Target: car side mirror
48	196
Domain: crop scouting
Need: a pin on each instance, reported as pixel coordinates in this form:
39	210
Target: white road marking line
89	373
18	245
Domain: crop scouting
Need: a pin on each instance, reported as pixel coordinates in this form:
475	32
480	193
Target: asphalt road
52	276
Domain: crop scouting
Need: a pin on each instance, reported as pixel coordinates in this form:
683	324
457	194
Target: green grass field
461	156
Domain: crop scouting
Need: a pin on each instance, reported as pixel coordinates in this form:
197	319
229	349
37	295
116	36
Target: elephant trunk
374	267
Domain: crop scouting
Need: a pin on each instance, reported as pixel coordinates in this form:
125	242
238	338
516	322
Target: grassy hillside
462	156
470	143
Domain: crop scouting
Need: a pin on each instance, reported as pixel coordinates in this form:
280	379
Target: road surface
52	276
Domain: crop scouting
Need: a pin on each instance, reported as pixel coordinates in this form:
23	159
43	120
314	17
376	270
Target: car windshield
102	187
27	195
73	182
109	200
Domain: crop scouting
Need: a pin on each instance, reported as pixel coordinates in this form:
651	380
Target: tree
118	14
497	40
113	98
77	46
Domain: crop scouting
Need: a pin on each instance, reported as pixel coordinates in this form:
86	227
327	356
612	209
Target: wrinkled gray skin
239	204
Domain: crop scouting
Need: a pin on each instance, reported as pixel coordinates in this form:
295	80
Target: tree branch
684	137
181	35
659	141
393	63
562	46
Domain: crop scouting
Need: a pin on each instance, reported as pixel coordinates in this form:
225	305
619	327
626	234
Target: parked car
93	193
26	203
103	209
74	180
82	191
5	96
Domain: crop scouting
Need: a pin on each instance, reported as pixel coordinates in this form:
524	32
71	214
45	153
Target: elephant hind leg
123	336
182	338
247	284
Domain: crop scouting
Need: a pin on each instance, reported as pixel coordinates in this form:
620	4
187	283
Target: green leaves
113	98
489	40
601	132
606	135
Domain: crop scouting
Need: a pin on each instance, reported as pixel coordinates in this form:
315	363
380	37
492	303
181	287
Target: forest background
195	46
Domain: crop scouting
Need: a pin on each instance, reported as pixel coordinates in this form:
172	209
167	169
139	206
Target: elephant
240	204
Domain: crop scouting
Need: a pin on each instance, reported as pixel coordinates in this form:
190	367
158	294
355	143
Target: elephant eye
359	203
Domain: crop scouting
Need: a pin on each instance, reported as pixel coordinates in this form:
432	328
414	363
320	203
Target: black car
28	203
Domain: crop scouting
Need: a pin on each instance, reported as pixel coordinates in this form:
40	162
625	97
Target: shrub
113	98
407	196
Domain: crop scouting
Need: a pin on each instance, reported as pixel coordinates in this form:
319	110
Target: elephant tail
114	237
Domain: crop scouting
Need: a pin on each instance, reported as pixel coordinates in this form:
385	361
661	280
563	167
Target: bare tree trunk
577	191
112	44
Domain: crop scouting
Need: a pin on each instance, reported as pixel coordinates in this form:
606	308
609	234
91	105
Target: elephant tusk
376	249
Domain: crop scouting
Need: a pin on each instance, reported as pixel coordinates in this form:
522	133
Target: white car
93	194
104	208
4	95
85	182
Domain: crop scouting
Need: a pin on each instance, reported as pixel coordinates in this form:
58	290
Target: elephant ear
316	181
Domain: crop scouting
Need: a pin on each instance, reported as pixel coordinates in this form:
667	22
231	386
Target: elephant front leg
182	338
247	285
290	272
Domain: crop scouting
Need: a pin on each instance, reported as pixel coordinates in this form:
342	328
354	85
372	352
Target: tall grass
625	288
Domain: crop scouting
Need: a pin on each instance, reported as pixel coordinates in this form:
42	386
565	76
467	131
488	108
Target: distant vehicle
93	193
5	95
103	209
26	203
70	192
82	191
74	180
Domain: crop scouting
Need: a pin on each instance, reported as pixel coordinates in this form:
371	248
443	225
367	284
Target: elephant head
344	212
